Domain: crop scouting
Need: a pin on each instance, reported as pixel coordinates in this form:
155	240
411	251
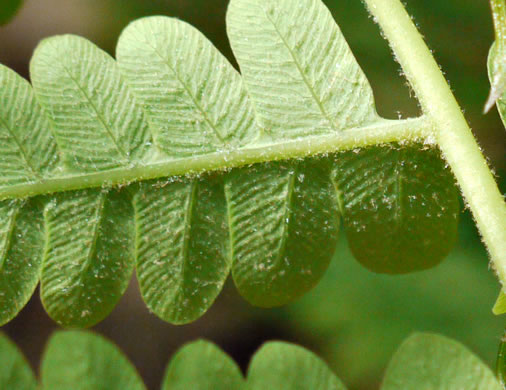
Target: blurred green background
354	319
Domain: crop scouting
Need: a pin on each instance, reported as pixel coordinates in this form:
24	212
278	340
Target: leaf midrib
99	214
91	250
286	217
381	131
188	225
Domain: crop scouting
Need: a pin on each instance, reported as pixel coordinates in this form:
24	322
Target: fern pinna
169	160
81	360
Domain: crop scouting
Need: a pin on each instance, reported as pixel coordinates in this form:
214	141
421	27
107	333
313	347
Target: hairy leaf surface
15	372
88	259
83	361
97	123
193	107
284	366
427	361
296	80
202	365
27	148
284	224
173	106
192	95
400	207
21	248
182	246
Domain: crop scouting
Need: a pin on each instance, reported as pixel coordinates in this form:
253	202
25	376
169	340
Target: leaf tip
500	304
492	98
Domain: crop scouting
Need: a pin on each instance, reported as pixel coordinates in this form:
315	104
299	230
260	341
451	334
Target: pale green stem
452	132
381	132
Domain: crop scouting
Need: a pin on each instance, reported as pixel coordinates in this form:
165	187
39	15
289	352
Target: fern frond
82	360
79	360
195	100
405	372
79	149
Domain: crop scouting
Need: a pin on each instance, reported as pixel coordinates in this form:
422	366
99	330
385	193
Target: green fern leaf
15	372
192	95
171	106
203	366
82	361
298	68
182	250
183	257
27	153
284	229
88	260
21	249
400	207
27	147
97	123
283	224
283	366
427	361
